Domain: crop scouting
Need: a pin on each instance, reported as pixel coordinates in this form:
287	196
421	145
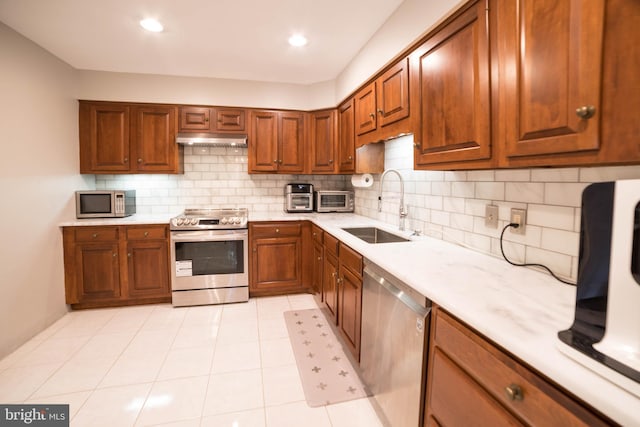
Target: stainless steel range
209	257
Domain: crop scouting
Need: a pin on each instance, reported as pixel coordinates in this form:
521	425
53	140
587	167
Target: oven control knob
224	220
174	221
194	221
180	221
238	220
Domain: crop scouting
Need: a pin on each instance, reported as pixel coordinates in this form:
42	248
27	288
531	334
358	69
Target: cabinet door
555	61
276	264
350	309
148	268
291	142
230	120
451	91
365	109
393	94
195	119
155	139
97	269
104	137
318	267
322	130
346	138
330	283
263	153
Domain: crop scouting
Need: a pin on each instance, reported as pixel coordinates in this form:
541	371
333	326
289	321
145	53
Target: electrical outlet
491	216
519	216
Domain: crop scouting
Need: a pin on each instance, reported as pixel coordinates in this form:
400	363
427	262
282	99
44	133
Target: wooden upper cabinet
156	148
104	137
393	94
451	91
366	109
128	138
554	53
381	106
322	141
291	142
346	137
276	142
212	119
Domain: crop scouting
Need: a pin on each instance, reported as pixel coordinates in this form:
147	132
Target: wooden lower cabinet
342	290
277	254
471	382
116	265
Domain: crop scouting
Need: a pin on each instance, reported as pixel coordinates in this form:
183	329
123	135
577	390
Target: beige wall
38	174
109	86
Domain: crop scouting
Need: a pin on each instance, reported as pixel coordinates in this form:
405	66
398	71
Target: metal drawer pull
514	392
277	230
146	233
94	235
586	111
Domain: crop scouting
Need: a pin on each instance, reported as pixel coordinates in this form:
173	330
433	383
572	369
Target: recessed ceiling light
297	40
152	25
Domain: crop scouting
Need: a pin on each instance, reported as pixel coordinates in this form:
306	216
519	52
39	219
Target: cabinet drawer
317	233
331	244
146	232
276	229
96	234
539	403
351	259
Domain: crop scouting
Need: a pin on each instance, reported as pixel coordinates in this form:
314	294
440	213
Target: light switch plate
491	216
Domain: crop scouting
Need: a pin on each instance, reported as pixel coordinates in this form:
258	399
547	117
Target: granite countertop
519	309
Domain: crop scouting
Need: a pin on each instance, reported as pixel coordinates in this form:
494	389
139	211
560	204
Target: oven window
209	258
304	201
95	203
332	200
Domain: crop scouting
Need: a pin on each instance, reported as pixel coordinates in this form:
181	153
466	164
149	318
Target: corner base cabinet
116	265
471	382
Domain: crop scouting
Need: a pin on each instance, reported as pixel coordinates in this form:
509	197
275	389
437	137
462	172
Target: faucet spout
402	211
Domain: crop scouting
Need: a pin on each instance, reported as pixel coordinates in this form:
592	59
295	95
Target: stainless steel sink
374	235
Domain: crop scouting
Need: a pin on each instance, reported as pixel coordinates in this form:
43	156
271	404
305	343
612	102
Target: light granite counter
519	309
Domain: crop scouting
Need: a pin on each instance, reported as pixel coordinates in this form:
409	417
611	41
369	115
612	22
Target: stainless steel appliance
298	198
393	349
333	201
209	257
105	203
605	336
212	140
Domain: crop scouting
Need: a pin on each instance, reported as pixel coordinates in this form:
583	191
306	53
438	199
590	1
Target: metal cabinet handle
315	234
206	119
514	392
416	145
146	234
330	160
126	159
277	230
350	157
275	161
129	254
139	160
380	111
280	161
115	254
372	115
94	235
319	258
586	111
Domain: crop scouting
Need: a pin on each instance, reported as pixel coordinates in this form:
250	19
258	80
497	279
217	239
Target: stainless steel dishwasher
395	325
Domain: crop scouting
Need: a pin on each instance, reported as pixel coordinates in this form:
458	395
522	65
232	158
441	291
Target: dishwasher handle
403	297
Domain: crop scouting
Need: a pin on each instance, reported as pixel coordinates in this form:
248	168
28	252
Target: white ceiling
234	39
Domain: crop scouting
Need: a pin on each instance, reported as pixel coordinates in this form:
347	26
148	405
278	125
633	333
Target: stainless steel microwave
105	203
333	201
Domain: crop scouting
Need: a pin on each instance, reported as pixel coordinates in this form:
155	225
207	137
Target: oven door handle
197	236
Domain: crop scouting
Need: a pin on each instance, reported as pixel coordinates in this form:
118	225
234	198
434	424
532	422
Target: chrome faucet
402	211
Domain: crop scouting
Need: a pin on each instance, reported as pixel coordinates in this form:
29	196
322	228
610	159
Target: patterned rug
326	372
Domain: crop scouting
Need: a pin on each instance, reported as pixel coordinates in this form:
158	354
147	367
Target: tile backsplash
213	177
445	205
451	206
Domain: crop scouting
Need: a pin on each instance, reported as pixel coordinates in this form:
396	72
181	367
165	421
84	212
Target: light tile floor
223	365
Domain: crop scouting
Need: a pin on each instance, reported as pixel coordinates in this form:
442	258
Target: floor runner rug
327	374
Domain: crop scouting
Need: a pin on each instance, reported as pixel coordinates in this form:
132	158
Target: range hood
212	139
